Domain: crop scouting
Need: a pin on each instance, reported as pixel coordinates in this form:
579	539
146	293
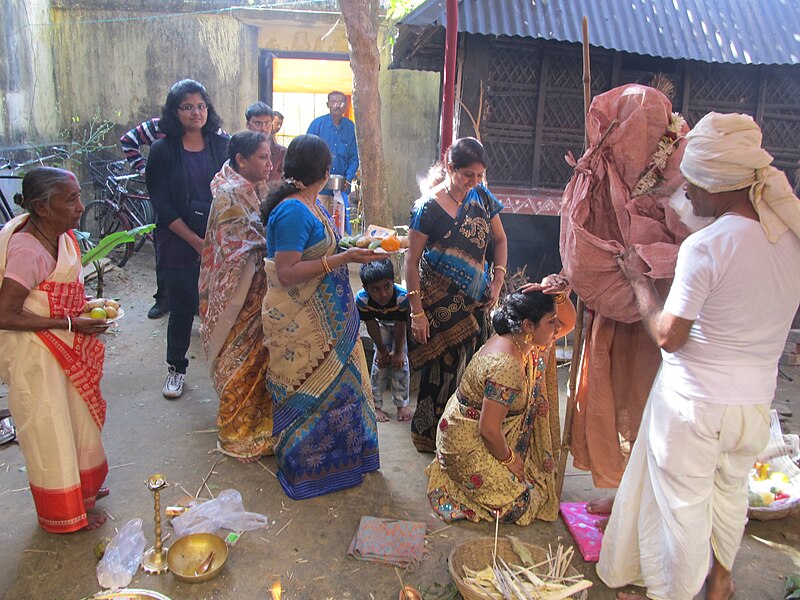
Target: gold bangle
502	268
511	458
413	293
561	297
414	315
325	265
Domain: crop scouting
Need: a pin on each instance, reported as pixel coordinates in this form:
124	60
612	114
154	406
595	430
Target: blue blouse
292	227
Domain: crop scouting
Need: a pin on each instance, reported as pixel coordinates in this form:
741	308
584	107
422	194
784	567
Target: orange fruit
390	244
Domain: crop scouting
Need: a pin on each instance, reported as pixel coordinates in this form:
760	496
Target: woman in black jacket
179	171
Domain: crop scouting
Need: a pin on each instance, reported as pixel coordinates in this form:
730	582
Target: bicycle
120	210
6	207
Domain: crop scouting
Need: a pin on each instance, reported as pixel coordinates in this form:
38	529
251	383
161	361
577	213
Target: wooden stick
284	527
577	345
210	471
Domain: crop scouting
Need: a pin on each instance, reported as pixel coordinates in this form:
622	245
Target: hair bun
18	199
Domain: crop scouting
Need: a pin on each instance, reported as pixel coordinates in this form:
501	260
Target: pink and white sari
54	394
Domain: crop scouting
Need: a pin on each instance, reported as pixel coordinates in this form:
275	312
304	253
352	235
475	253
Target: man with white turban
721	331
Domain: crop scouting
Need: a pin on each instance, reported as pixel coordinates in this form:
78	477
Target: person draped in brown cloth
619	196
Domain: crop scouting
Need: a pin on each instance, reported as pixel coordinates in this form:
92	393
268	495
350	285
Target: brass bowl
186	554
129	594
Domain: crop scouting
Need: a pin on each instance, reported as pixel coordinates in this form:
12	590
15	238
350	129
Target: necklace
525	356
527	364
52	245
458	202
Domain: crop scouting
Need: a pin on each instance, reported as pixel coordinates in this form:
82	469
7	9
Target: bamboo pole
578	340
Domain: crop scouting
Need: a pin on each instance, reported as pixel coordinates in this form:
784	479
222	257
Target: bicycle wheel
100	219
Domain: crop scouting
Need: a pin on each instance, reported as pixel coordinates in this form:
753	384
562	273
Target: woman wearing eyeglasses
179	171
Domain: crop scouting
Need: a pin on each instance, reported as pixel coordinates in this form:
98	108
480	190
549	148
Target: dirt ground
306	542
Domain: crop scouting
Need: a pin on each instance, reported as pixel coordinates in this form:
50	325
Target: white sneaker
173	386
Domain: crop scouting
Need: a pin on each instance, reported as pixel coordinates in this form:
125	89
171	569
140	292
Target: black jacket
165	176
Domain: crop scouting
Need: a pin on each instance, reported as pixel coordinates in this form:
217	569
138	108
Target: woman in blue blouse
323	415
451	283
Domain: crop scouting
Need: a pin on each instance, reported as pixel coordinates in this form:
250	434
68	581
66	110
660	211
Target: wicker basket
782	508
476	554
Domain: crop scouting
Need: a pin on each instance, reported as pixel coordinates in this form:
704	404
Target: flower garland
666	146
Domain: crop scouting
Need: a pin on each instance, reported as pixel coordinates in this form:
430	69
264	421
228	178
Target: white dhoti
684	491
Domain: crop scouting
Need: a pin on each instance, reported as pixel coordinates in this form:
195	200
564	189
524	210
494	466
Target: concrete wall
28	105
119	65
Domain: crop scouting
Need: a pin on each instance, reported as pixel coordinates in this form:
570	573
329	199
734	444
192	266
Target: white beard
683	208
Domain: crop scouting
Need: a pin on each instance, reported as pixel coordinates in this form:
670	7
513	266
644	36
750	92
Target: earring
528	338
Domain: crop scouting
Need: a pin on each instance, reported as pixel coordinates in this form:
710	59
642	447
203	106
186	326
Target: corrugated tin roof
721	31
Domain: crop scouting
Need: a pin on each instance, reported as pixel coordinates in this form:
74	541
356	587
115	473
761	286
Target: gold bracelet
325	265
414	315
413	293
511	458
502	268
561	297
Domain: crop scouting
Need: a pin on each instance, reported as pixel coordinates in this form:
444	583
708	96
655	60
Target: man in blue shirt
339	133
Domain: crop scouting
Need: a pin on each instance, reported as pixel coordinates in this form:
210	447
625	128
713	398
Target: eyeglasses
337	103
260	124
191	107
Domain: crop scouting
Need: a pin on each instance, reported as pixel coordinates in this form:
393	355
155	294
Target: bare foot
719	583
404	413
381	416
602	524
96	519
246	460
600	507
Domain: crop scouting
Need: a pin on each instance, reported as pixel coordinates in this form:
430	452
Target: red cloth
599	219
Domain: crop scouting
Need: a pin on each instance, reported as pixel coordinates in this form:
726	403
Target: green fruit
98	313
375	245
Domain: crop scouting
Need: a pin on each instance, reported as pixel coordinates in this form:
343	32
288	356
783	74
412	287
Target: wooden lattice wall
533	102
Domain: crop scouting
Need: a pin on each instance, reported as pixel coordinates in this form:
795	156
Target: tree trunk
361	22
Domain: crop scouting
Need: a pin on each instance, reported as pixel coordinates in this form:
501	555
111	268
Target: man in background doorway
339	133
278	151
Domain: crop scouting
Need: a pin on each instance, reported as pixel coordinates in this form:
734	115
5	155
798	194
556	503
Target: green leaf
792	589
108	243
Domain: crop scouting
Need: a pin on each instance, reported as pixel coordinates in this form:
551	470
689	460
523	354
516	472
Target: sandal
102	493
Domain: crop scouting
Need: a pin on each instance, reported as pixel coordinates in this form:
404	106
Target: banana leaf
108	243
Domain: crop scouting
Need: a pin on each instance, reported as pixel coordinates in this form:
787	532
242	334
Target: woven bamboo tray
476	554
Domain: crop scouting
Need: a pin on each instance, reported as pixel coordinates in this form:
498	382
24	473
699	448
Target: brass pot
190	552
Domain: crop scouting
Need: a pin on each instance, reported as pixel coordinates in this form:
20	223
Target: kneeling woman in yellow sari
232	286
494	445
323	414
50	357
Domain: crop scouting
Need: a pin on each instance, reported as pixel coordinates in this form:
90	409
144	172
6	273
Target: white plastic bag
122	557
226	511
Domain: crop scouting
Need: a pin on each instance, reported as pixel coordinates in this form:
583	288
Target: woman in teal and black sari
455	234
323	414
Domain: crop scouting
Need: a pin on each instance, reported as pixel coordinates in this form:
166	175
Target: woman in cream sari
232	286
323	415
50	357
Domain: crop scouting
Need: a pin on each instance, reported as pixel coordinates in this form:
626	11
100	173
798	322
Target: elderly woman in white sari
232	286
50	357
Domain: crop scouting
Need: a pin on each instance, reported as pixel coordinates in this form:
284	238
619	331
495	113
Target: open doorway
297	85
